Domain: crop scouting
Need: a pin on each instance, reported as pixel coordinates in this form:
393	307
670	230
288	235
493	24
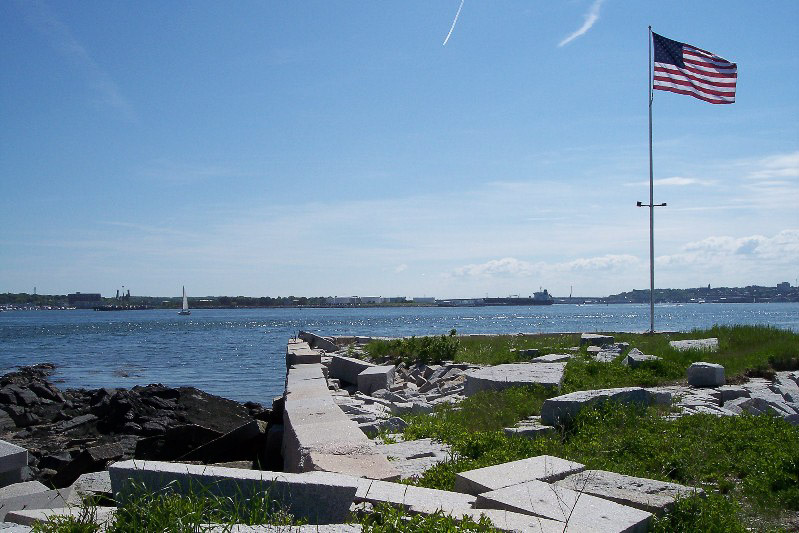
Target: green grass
753	460
156	512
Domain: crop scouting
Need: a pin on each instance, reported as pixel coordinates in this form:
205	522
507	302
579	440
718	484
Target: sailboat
185	310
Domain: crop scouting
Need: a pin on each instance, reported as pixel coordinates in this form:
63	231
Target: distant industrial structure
85	300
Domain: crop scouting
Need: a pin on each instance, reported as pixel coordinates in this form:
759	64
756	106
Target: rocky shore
74	431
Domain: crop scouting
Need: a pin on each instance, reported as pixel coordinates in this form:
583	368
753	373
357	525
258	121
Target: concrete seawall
317	435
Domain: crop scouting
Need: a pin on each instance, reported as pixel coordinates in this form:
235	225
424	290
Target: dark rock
242	443
273	451
7	396
21	416
47	391
55	461
154	427
175	442
78	421
92	459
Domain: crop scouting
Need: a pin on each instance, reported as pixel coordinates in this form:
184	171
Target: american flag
685	69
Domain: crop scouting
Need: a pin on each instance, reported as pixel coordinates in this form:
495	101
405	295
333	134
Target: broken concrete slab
375	378
8	527
554	502
701	374
530	428
28	517
595	339
553	358
501	377
562	409
542	468
709	345
518	522
636	358
414	457
347	368
22	488
646	494
414	499
316	341
94	483
319	497
49	499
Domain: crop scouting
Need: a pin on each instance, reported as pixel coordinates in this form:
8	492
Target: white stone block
347	368
542	468
538	498
703	374
375	378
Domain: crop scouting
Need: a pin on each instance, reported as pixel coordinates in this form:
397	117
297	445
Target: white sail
185	309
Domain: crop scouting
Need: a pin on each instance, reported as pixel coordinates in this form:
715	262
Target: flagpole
651	201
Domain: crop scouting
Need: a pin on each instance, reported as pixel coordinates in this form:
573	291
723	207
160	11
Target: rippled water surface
240	354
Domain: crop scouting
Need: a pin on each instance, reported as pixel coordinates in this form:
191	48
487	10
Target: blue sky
338	148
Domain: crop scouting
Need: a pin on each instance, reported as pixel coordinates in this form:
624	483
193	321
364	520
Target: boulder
703	374
553	358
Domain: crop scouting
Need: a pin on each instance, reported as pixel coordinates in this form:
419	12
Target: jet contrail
453	23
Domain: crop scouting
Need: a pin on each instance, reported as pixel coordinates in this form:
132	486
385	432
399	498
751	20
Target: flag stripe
698	95
685	69
678	73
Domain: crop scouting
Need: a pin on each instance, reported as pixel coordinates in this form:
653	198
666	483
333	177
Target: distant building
424	300
86	300
397	300
784	286
372	299
343	300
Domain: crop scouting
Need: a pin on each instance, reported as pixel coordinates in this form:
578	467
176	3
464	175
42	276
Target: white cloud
591	16
674	181
782	249
512	267
777	166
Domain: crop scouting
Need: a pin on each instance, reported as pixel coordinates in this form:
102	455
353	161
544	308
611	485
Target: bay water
240	353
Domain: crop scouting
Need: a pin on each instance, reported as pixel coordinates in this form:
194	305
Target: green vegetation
387	519
425	350
148	512
743	350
